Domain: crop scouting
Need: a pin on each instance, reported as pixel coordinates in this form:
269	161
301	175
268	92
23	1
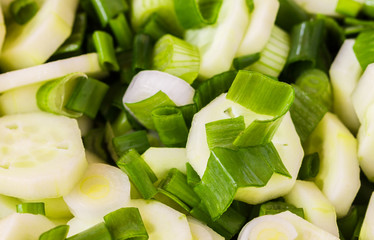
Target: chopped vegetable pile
186	119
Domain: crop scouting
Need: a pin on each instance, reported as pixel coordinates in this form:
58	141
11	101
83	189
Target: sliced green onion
142	52
155	26
54	95
94	142
32	207
317	85
271	208
87	96
137	140
213	87
170	125
23	10
364	48
222	133
188	111
335	35
97	232
73	45
105	48
309	167
121	31
126	223
176	184
368	8
177	57
193	177
57	233
121	124
290	14
245	61
349	7
197	14
140	174
106	10
348	223
306	113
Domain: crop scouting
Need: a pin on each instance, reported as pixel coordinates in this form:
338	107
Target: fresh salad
186	119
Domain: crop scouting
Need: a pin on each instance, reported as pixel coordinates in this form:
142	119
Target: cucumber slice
201	231
367	230
285	140
101	190
33	43
345	72
161	160
339	173
161	221
41	155
319	6
260	26
317	208
22	226
87	63
7	205
219	42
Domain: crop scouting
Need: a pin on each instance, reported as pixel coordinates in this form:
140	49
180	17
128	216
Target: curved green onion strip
105	48
170	125
57	233
142	52
32	207
197	14
122	32
245	61
177	57
106	10
271	208
53	95
23	10
290	14
364	48
126	223
309	167
97	232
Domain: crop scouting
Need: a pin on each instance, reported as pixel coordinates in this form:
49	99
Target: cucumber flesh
42	155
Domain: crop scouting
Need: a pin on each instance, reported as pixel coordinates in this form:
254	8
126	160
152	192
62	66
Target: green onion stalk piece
142	52
245	61
57	233
177	57
23	10
106	10
137	140
33	208
156	27
122	31
105	48
290	14
364	48
271	208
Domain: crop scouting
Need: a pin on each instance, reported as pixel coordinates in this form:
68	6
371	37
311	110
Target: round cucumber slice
41	155
102	189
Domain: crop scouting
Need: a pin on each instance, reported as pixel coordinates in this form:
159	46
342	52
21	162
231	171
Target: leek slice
87	63
260	27
337	149
219	42
35	145
33	43
102	189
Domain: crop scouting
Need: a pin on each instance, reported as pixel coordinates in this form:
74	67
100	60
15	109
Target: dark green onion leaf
140	174
23	11
290	14
105	48
121	124
306	113
137	140
188	111
348	7
364	48
143	109
97	232
87	97
193	177
57	233
335	35
180	205
271	208
126	223
176	184
31	207
121	31
170	125
309	167
197	14
155	27
222	133
106	10
212	88
142	52
347	224
245	61
73	45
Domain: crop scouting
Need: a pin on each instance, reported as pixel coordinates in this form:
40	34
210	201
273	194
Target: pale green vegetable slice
7	205
102	189
367	230
345	73
86	63
219	42
77	225
161	221
33	43
41	155
339	173
55	208
22	226
326	7
261	23
201	231
317	208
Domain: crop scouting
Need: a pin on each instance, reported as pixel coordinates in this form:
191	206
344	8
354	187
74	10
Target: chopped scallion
31	207
23	10
105	48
